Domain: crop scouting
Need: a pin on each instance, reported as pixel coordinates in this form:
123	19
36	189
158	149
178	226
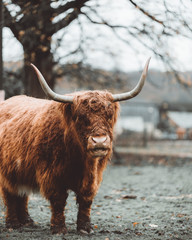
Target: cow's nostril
99	139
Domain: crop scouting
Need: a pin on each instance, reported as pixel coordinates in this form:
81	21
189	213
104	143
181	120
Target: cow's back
20	106
24	123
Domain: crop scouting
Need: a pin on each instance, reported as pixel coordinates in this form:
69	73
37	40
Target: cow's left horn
136	90
48	91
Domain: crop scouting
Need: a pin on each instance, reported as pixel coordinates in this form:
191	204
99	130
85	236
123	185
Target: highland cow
52	146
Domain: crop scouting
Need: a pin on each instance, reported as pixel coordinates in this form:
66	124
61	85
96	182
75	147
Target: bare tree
34	24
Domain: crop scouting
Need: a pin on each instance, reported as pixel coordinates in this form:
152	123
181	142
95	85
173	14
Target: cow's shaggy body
55	146
45	147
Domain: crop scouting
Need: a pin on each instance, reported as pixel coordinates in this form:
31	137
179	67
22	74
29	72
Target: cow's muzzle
98	146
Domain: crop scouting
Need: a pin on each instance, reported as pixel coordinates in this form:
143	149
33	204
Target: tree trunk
43	60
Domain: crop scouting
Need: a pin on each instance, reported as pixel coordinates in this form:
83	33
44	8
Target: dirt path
140	202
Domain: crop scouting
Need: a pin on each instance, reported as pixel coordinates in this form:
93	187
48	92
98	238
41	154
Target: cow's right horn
136	90
52	95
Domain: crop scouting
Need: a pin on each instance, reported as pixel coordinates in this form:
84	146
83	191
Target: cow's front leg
22	211
83	217
58	219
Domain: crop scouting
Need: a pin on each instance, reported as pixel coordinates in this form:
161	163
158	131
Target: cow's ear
68	112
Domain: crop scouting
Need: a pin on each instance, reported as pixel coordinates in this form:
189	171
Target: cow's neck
92	176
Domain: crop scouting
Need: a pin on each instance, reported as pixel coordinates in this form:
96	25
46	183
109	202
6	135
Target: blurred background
104	44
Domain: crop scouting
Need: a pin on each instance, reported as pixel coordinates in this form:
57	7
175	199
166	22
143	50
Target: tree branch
64	8
146	13
11	23
64	22
77	5
102	22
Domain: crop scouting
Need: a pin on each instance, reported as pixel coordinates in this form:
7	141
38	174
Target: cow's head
94	114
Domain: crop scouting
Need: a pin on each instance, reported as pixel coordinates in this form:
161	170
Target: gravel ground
133	202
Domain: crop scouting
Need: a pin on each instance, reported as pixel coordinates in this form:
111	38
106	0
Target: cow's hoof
27	221
13	224
85	228
58	229
82	231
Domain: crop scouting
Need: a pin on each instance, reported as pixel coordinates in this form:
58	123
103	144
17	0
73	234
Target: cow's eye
84	119
110	112
110	117
85	102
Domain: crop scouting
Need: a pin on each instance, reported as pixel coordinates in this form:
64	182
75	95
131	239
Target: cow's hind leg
83	217
10	201
22	210
16	212
57	208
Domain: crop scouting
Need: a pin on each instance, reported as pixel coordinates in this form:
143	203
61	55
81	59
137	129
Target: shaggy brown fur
44	147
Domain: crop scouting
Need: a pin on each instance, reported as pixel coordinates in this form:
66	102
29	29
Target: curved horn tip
32	65
148	60
147	65
137	89
35	68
